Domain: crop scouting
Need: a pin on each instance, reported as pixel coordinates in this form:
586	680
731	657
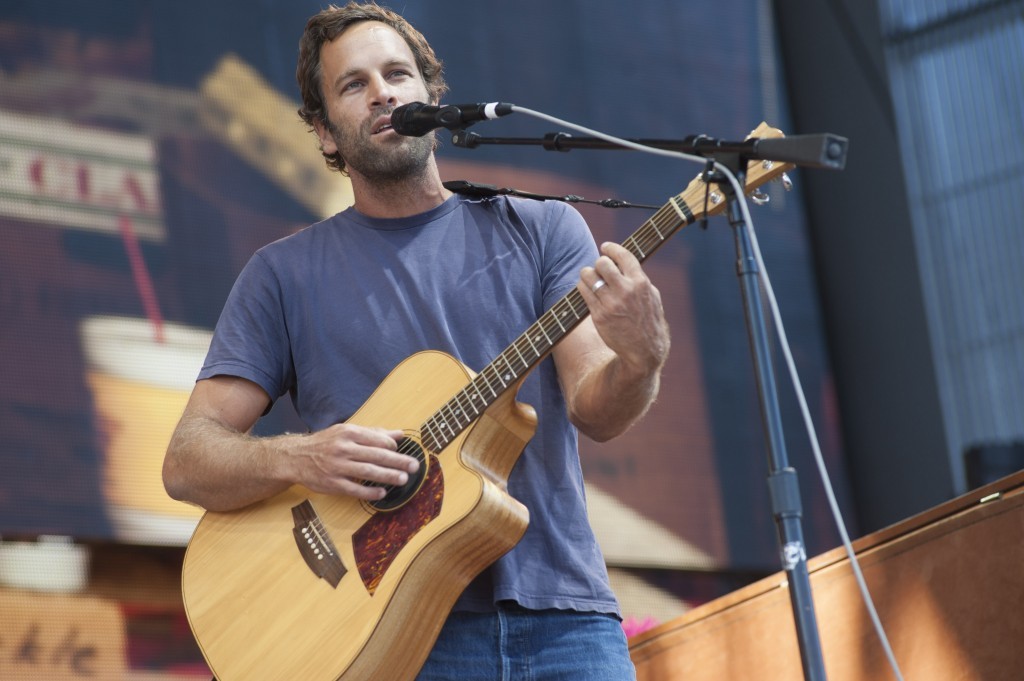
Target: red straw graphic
143	282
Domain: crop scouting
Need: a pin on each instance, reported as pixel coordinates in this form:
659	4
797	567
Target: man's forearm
219	469
611	398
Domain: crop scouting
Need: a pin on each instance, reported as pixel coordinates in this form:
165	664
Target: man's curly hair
329	24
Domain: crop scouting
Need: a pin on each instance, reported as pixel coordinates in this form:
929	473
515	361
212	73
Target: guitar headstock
705	199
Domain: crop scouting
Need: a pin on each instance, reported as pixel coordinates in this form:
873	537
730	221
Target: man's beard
385	164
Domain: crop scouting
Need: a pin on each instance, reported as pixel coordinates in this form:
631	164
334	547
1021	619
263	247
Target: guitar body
252	594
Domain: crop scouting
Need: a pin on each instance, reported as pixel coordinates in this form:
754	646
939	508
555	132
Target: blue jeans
515	644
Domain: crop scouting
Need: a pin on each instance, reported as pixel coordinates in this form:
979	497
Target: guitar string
551	328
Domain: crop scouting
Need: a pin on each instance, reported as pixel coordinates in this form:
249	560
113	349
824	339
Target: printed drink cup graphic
141	377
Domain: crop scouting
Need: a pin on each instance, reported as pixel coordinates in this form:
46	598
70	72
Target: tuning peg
760	197
787	183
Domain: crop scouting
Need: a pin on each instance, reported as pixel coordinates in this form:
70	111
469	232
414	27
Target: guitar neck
698	200
530	348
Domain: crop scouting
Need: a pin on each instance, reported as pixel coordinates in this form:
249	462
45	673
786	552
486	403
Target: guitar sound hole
397	496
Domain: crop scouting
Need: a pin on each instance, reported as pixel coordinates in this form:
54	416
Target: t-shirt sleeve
568	247
251	339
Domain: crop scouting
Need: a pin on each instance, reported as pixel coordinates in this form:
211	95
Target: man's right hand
341	458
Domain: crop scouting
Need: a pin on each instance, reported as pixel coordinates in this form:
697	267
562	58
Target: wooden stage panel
948	585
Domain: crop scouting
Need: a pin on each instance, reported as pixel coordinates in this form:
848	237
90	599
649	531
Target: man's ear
327	143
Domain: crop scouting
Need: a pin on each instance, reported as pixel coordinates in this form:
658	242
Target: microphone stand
816	151
784	491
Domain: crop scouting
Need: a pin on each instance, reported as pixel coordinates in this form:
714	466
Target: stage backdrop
147	148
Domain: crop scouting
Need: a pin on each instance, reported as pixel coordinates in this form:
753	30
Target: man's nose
381	92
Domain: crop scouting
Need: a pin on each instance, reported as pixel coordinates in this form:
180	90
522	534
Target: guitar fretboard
512	365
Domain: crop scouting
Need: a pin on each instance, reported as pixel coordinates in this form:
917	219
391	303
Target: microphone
417	119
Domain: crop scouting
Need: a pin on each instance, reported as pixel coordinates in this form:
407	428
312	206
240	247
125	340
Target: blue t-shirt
326	313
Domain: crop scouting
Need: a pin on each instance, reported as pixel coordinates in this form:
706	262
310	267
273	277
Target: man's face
367	71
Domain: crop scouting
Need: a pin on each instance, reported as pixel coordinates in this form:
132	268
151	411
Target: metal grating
957	75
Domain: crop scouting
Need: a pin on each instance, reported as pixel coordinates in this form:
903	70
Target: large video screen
148	149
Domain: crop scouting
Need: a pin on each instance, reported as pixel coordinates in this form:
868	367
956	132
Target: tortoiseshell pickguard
378	541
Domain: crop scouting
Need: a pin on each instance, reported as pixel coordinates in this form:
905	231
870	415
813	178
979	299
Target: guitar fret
642	254
439	427
426	431
454	415
531	350
521	358
490	386
469	402
559	322
512	375
439	435
445	424
532	346
534	329
659	237
546	337
654	225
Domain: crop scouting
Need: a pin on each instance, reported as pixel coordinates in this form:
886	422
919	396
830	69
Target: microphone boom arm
821	150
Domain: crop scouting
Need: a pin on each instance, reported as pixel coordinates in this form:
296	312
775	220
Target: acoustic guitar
317	587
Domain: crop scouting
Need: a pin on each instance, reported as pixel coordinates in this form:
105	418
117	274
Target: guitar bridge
315	545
